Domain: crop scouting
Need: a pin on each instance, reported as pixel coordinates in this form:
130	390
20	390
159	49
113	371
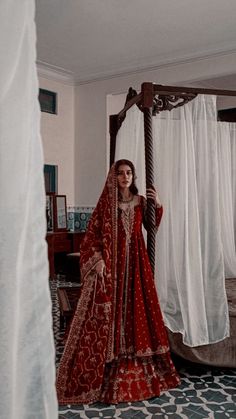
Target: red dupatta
90	341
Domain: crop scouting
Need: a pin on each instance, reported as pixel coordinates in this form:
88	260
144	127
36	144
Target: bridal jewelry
126	200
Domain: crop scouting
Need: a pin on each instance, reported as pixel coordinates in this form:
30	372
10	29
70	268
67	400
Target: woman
117	348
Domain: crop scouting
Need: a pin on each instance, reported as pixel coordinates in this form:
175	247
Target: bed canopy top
153	99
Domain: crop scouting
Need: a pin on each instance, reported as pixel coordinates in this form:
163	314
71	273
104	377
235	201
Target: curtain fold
227	168
233	173
191	259
27	350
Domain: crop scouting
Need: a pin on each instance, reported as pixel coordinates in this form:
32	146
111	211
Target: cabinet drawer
62	246
60	237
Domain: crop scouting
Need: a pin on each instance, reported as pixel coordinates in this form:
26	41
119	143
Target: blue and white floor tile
204	392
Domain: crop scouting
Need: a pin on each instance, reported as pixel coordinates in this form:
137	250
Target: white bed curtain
195	188
233	172
27	389
227	187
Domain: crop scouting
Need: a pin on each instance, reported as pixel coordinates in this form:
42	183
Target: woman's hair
133	188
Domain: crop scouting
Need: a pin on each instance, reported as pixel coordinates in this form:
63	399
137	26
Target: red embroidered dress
117	348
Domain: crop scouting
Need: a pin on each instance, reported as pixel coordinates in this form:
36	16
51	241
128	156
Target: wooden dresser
61	242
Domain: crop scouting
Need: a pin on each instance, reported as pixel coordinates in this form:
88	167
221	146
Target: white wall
58	134
91	116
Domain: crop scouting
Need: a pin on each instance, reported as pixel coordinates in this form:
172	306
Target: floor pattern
204	392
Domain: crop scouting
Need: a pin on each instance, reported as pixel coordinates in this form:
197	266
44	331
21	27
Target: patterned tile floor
204	392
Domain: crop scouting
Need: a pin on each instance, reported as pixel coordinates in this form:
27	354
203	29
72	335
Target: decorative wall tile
78	218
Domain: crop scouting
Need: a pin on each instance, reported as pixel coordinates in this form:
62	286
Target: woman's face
124	176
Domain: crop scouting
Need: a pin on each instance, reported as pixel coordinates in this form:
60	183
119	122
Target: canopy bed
219	350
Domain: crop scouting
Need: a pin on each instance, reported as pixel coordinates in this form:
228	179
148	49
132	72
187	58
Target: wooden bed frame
151	100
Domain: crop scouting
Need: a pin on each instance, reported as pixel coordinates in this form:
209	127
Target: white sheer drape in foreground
190	258
27	389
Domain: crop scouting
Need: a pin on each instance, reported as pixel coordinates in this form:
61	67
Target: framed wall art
48	101
56	212
51	178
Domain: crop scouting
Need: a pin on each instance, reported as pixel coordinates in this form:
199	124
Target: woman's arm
152	194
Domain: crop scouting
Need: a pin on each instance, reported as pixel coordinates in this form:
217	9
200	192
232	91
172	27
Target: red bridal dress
117	349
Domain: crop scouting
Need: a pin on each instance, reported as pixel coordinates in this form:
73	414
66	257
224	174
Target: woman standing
117	349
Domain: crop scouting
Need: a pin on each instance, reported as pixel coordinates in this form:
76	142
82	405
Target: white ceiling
96	39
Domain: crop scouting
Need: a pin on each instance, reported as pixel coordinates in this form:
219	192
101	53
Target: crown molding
167	63
62	75
52	72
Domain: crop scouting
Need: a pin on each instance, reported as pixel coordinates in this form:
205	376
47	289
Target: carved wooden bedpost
146	106
114	128
154	99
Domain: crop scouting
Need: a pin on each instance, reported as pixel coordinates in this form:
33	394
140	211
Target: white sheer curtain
227	186
190	258
233	172
26	352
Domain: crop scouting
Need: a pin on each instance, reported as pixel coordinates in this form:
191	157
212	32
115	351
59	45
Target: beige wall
58	136
91	116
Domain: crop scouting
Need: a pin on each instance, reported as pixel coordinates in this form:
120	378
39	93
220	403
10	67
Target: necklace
126	200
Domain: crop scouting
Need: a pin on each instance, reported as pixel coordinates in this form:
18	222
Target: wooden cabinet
61	242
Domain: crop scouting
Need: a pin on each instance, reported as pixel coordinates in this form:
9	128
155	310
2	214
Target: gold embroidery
127	216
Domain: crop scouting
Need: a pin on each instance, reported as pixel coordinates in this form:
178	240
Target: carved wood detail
167	103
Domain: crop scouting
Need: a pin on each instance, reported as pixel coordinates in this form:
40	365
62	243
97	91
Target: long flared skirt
132	378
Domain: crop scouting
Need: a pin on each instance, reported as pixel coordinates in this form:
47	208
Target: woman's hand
152	194
100	267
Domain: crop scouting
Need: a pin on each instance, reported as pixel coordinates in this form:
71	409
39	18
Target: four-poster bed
154	99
